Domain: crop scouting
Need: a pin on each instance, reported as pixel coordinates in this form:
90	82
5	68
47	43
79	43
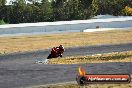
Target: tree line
19	11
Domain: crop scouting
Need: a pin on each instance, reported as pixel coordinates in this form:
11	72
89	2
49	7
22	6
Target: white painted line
106	29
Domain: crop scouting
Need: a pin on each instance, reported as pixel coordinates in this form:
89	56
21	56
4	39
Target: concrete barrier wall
66	25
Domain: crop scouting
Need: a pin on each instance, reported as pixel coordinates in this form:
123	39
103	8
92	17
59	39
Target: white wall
65	25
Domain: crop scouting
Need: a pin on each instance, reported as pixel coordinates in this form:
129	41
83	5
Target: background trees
112	7
57	10
2	2
127	11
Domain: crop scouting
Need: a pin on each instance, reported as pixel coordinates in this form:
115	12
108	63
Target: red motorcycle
56	52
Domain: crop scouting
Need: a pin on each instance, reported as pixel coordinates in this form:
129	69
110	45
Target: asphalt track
19	70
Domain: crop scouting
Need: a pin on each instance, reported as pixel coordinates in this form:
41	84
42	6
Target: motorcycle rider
56	52
61	50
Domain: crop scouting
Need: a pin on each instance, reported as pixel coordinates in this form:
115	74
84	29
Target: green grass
2	22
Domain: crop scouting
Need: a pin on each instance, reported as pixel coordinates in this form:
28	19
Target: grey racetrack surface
20	70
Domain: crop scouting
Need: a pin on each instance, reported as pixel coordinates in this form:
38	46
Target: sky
8	1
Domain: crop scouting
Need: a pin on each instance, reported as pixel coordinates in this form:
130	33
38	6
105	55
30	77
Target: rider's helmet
61	48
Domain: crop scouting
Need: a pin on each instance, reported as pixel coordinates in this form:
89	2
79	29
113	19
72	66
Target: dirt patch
98	58
39	42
